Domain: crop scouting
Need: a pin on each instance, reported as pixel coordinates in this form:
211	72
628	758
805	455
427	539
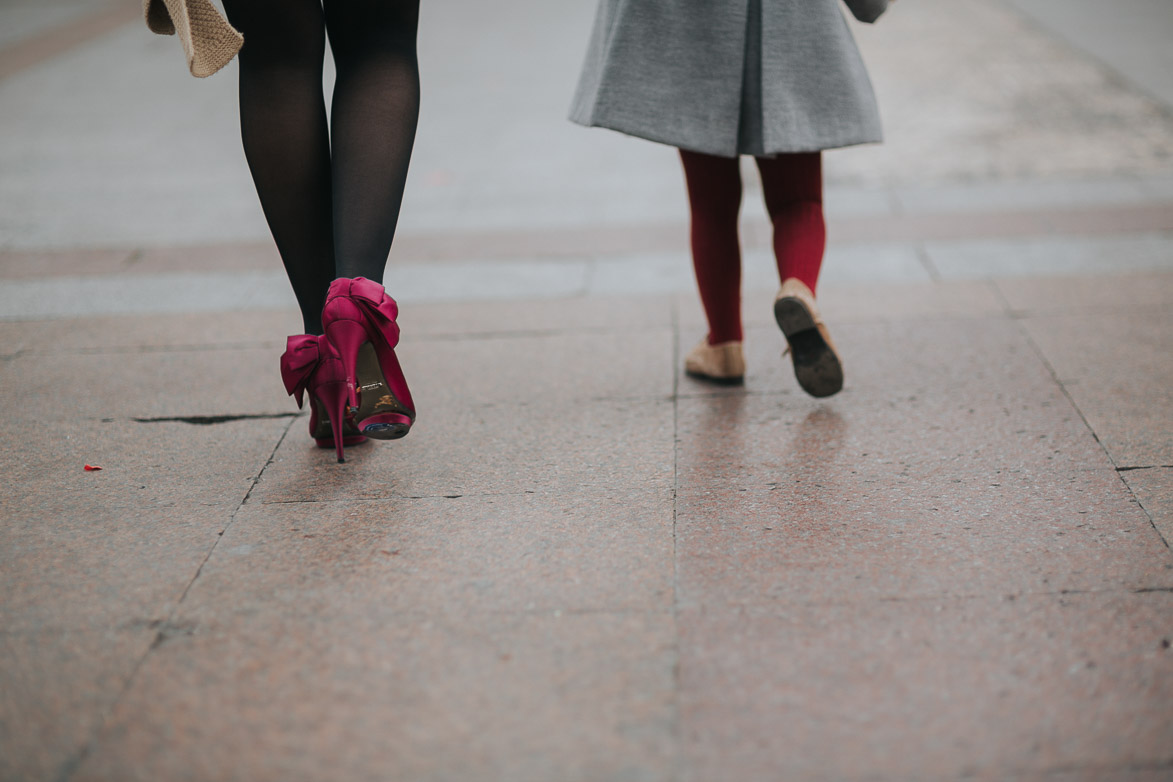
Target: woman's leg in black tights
374	114
286	141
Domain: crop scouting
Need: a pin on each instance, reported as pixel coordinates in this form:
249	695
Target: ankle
806	277
312	324
725	335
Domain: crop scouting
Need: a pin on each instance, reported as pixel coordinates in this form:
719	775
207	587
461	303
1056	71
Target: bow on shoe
377	305
298	363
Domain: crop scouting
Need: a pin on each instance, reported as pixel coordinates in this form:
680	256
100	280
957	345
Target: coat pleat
729	77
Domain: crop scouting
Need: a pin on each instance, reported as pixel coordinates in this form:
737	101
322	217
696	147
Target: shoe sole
376	398
738	380
816	367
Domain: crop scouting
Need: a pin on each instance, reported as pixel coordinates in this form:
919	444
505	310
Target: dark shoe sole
816	367
377	399
324	436
739	380
386	431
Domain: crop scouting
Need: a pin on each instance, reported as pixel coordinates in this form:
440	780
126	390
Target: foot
816	363
310	365
722	363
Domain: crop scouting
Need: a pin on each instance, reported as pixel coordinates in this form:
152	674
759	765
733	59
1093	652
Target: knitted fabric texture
208	40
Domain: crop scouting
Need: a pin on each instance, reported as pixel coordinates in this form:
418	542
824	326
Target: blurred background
991	104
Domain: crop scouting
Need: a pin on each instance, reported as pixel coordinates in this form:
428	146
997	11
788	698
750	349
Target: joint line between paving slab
121	350
926	260
677	759
1017	318
167	627
388	497
944	598
232	520
1104	769
1019	323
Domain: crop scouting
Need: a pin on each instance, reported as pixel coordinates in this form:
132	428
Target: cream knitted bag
208	40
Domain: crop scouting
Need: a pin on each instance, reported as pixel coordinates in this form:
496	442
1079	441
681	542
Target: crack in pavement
210	420
166	629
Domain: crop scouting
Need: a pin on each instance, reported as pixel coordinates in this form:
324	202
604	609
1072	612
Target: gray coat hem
705	146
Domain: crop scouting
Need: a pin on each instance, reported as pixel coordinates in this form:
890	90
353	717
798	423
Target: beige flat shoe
722	363
816	363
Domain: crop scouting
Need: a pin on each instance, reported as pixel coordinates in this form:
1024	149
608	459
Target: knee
716	213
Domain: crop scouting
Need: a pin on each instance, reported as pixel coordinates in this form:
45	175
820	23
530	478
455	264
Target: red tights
793	188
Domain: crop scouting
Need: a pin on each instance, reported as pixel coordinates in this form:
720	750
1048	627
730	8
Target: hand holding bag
208	40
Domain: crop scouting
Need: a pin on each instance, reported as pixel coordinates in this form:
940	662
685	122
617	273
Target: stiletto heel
331	395
347	338
310	364
359	319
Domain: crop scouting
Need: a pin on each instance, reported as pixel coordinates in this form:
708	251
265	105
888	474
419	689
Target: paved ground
582	565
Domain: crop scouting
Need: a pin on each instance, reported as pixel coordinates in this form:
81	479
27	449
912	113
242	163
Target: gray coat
728	77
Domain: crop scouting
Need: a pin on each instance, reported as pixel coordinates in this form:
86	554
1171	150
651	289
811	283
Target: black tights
331	194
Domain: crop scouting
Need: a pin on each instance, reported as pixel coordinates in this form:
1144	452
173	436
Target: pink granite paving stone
582	565
37	264
832	538
582	314
928	689
525	369
1154	491
57	687
850	302
471	449
231	257
153	384
106	549
1089	295
966	396
119	334
292	696
1118	369
490	554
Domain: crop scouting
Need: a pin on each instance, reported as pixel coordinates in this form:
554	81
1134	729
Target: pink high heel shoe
359	321
309	363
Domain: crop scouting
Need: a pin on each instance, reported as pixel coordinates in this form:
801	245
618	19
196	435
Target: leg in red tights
793	188
714	197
